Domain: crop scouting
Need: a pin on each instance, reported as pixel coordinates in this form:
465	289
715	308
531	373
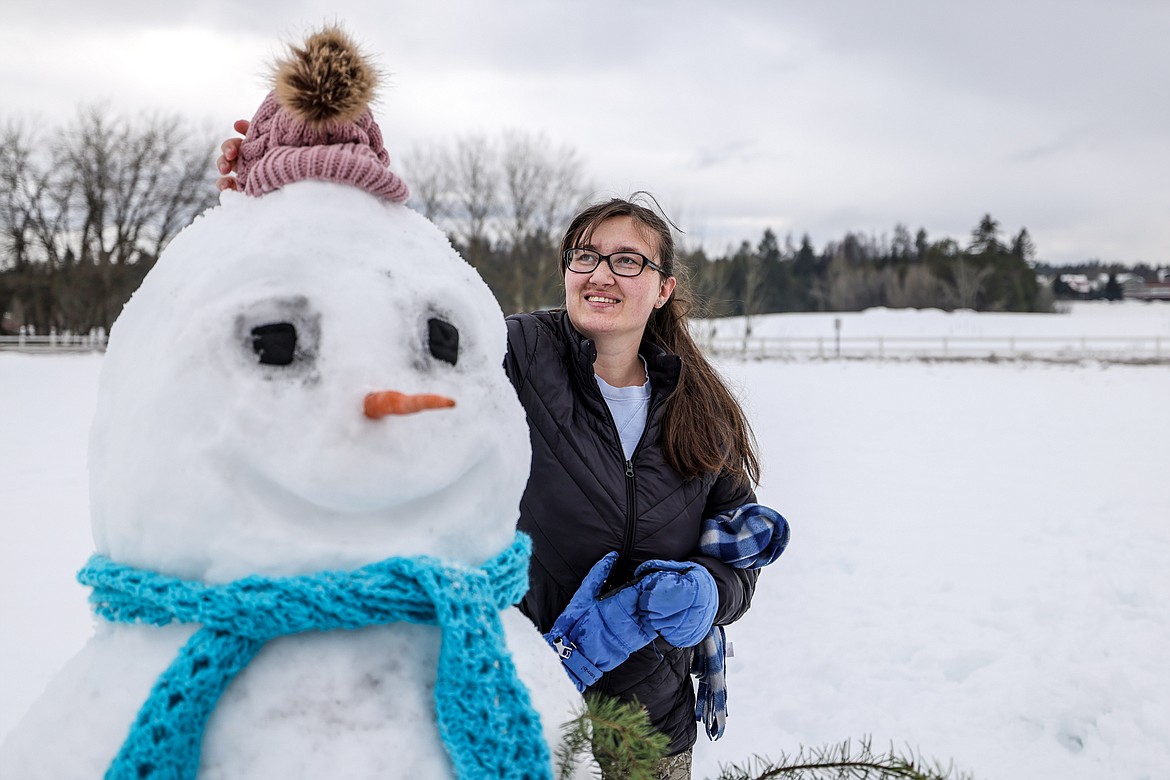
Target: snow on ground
977	566
1091	319
46	405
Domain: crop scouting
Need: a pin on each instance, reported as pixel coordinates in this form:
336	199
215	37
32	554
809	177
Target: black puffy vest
584	500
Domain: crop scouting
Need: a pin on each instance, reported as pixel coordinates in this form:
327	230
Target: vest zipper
627	552
623	569
631	516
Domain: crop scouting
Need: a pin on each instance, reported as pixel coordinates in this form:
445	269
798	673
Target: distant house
1140	290
1078	283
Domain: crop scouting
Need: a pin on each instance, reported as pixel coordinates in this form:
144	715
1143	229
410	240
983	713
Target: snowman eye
275	344
281	334
443	340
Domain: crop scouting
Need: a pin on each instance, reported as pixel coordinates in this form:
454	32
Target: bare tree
18	196
968	282
430	173
476	187
85	219
526	178
566	192
916	288
541	184
133	186
505	202
850	286
33	224
21	184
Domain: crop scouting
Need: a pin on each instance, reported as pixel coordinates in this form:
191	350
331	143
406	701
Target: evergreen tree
985	238
805	271
902	248
768	249
1113	288
921	244
776	275
744	279
1060	288
1023	248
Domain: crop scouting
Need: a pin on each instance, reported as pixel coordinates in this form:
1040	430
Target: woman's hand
595	634
226	164
677	600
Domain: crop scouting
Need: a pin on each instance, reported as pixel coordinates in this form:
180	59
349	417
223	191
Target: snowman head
306	380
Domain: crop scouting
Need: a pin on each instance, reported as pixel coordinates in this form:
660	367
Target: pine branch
838	762
620	736
575	745
626	746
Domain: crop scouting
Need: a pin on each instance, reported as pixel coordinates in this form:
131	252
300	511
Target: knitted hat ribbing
285	143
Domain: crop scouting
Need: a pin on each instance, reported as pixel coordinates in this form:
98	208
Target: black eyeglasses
584	261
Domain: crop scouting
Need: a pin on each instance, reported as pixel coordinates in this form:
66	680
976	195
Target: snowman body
230	441
346	705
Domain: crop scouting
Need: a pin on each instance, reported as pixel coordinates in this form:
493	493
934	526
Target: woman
635	441
642	483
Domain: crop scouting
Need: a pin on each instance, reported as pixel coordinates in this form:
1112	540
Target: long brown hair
704	429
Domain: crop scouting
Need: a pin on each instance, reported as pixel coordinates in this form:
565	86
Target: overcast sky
817	116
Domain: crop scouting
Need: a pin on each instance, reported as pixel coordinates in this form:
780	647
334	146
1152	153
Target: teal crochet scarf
485	716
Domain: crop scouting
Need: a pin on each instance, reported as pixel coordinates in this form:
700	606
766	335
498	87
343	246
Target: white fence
68	342
1127	349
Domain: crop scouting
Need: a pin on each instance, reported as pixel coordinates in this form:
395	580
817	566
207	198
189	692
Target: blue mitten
594	635
677	600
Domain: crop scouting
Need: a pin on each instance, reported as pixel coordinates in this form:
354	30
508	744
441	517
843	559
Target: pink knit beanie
316	124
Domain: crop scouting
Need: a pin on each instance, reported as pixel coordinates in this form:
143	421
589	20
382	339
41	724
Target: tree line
86	209
860	271
504	203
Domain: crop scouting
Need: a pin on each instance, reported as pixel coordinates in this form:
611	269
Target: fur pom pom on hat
316	124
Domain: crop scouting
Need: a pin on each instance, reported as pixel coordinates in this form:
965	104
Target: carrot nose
387	402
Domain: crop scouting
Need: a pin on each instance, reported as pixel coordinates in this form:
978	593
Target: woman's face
606	307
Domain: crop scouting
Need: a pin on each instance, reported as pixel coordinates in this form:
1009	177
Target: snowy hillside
978	564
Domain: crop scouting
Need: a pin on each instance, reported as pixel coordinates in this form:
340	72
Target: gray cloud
826	115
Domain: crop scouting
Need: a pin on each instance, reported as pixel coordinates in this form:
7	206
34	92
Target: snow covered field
978	566
1129	331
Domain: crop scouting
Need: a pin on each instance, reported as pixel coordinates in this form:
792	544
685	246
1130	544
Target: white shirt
629	406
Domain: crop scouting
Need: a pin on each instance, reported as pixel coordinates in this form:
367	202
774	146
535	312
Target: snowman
306	466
